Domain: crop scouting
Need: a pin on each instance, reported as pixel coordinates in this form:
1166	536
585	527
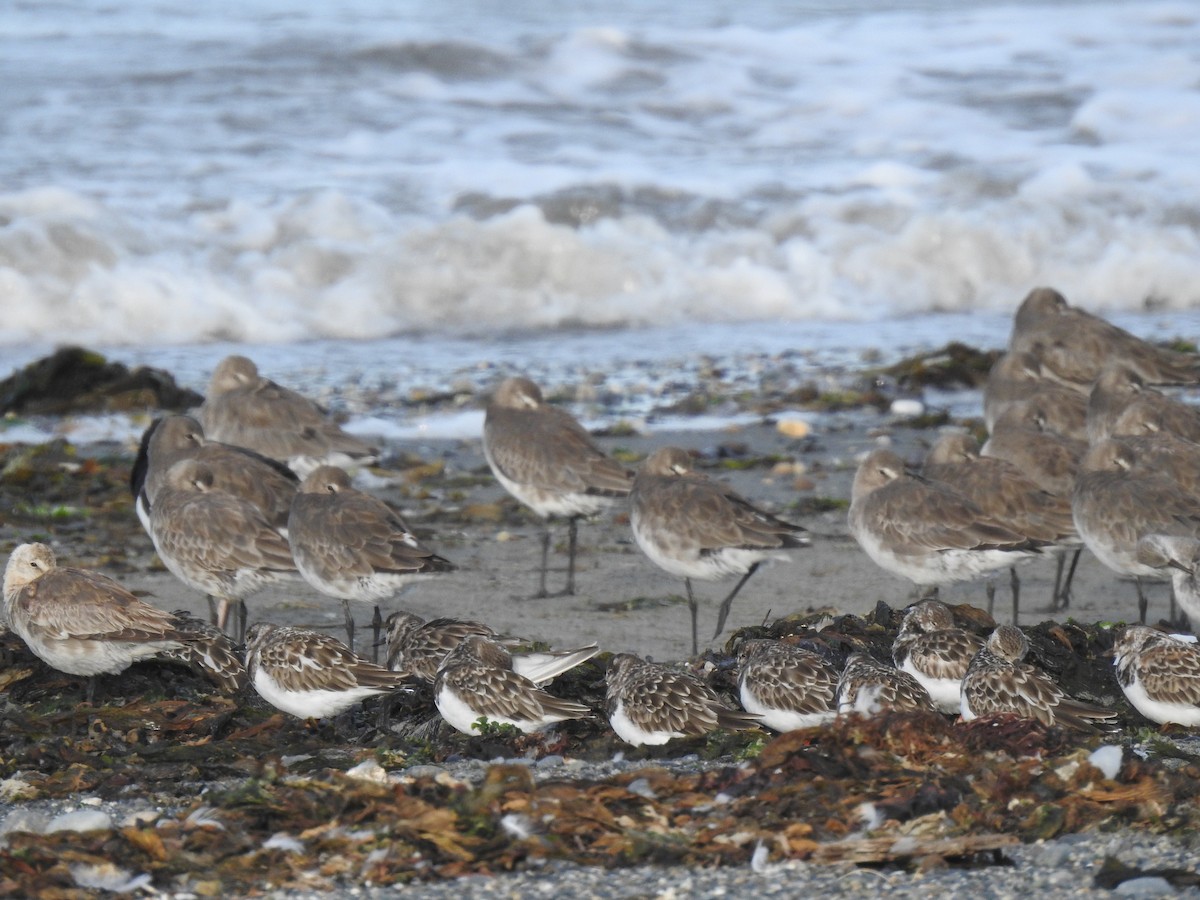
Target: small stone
81	820
793	428
1150	886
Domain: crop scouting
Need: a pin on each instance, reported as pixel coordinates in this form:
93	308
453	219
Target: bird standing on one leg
548	461
696	528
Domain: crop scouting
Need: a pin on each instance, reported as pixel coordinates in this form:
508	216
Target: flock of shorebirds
1083	452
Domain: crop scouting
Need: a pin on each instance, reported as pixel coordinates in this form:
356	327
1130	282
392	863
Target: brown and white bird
351	545
418	648
693	527
1178	557
648	703
248	410
786	686
1119	499
1007	495
1000	681
926	531
1121	403
1022	437
267	484
869	687
548	461
476	680
82	622
311	675
1075	345
208	651
215	542
933	649
1159	674
1017	378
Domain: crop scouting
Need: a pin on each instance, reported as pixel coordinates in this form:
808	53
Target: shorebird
1121	403
208	651
787	687
82	622
215	542
418	648
648	703
934	650
245	409
1017	378
1159	674
1022	437
696	528
1075	345
311	675
476	681
868	687
1006	495
351	545
1000	681
1116	503
1180	558
547	460
925	531
267	484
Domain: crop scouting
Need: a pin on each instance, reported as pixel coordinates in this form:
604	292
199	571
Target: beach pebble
907	406
793	428
1150	886
81	820
1108	760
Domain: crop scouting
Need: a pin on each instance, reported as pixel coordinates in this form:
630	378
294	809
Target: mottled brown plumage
1000	681
933	649
648	703
476	680
1017	378
869	687
787	686
1159	674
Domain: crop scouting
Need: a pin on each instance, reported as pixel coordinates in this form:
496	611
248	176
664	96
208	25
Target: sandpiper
476	681
1075	345
1159	674
926	531
1180	558
208	651
262	481
1000	681
351	545
696	528
648	703
79	621
933	649
311	675
786	686
1116	502
869	687
1006	495
548	461
1022	437
419	647
245	409
1017	378
215	542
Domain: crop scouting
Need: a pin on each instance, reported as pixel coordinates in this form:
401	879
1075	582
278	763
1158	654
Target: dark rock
73	379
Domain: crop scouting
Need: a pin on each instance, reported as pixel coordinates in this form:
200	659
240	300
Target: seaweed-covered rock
73	379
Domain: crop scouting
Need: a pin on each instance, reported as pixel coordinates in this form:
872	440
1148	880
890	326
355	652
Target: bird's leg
723	612
212	608
1062	597
224	604
243	615
572	535
991	595
91	690
541	591
376	628
1142	601
692	607
349	623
